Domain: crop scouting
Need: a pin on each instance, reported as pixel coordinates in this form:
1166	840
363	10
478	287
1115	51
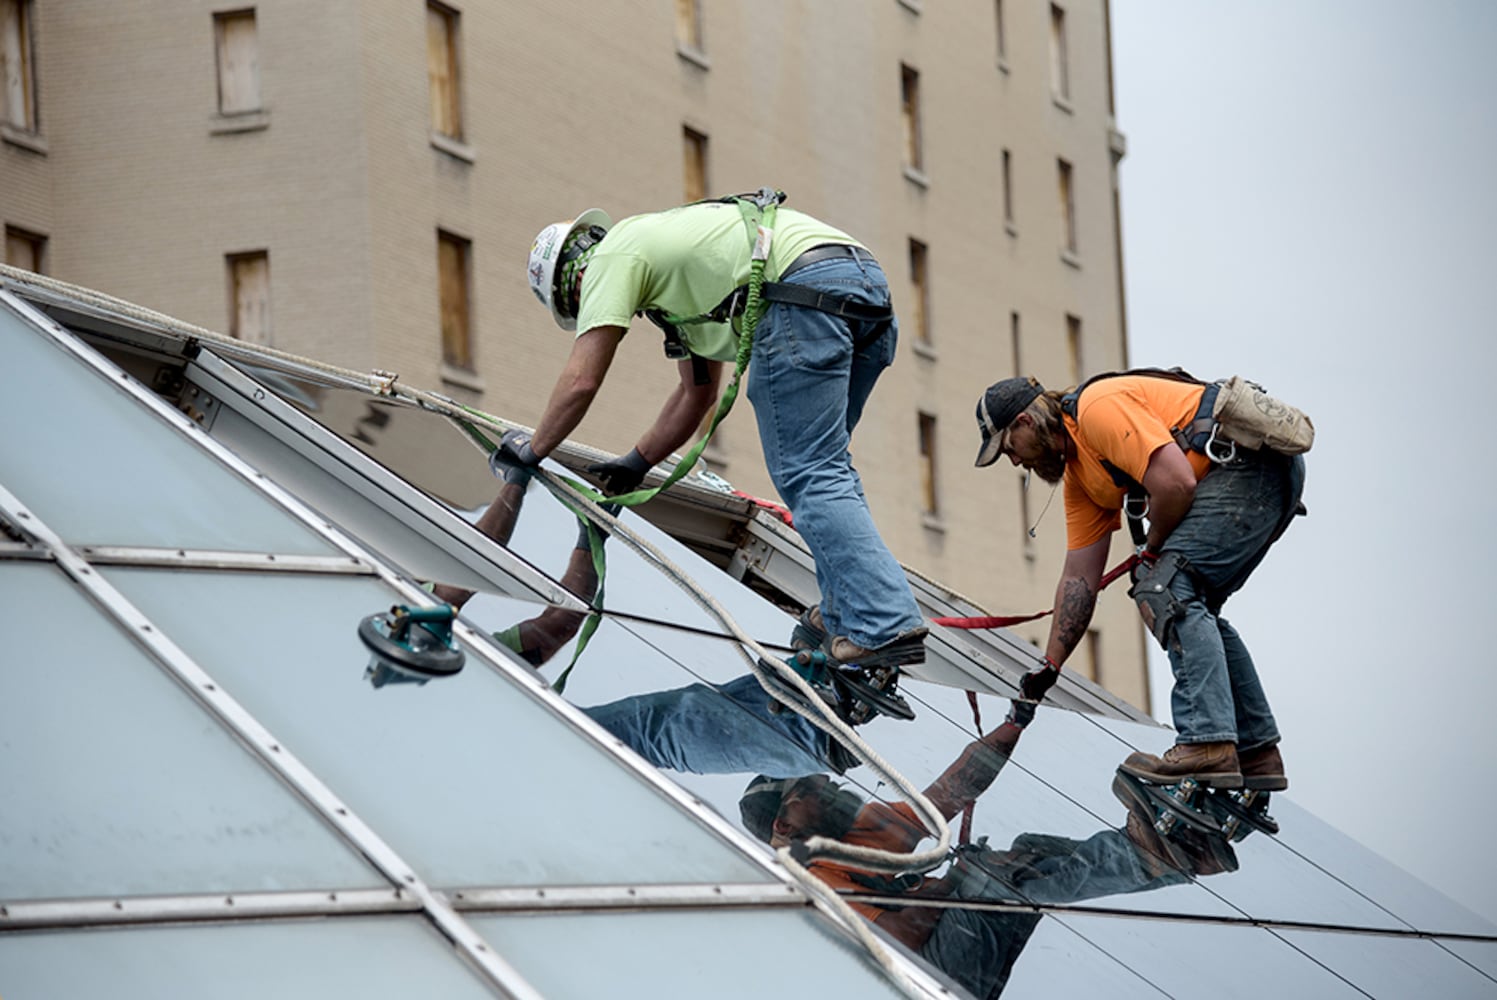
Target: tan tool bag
1254	419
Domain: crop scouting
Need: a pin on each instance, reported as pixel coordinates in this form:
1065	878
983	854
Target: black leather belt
826	251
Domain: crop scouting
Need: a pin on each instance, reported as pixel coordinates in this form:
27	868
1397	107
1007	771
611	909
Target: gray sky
1310	200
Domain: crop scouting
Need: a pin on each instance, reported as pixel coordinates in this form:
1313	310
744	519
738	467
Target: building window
1067	207
18	102
689	25
238	62
930	501
453	254
249	296
1026	524
442	70
920	282
1060	74
1002	33
1073	348
1008	190
694	147
25	250
909	111
1013	342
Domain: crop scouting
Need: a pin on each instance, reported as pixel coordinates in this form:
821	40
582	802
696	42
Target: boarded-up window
442	70
920	282
930	501
1008	187
1002	31
1014	342
452	271
18	100
238	62
1073	348
1026	525
694	147
1060	73
689	24
909	112
1067	206
25	250
249	296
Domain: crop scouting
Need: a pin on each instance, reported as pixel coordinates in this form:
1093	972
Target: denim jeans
808	387
706	729
1239	510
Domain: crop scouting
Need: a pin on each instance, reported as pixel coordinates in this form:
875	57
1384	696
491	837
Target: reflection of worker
815	361
977	948
701	728
1210	524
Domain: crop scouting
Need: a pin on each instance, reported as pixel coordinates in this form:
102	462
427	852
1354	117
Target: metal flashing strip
300	778
267	562
625	897
62	913
20	550
356	471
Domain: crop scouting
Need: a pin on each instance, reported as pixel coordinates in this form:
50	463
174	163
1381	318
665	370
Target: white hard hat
545	254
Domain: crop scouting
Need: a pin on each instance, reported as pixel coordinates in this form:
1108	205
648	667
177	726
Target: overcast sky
1310	200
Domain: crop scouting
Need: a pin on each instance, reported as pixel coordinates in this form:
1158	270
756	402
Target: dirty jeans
715	729
1238	511
808	387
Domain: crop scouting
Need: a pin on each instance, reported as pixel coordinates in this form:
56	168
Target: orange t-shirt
881	826
1124	420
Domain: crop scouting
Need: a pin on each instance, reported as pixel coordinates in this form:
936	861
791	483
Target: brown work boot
1213	765
904	649
1263	769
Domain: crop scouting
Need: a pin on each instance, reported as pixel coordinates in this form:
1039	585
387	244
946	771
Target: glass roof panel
117	783
142	482
1482	955
1396	966
374	958
443	771
718	953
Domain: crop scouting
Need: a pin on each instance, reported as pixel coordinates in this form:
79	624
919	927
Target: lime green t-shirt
686	261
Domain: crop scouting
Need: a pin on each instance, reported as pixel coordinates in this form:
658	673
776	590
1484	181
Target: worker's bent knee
1157	603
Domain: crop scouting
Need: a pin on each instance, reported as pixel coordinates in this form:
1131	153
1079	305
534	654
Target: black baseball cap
999	405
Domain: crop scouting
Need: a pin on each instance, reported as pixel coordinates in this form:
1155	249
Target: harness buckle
1136	506
1211	453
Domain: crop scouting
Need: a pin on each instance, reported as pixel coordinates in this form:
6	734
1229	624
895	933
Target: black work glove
1034	684
514	449
583	541
513	461
622	475
1020	713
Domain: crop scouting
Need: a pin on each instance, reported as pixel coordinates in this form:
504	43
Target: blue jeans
808	387
1239	510
707	729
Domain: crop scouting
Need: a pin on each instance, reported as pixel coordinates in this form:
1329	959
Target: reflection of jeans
1238	511
715	730
808	388
977	948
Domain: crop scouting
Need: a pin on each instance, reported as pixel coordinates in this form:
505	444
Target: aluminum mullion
270	562
627	897
282	762
30	915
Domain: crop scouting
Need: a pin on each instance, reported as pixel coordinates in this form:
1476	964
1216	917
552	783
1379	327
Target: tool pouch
1254	419
1157	604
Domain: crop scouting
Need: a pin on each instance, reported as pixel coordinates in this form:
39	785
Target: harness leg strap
1157	604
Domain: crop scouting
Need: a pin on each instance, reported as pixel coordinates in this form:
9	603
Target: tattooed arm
1076	598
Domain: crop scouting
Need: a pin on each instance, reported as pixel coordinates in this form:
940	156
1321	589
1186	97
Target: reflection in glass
1399	966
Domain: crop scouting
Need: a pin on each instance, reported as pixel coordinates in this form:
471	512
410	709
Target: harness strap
837	305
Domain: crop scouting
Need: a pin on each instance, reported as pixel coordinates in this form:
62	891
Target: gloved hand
509	460
583	541
622	475
1034	684
1020	713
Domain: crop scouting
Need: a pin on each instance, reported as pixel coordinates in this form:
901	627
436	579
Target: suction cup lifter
410	645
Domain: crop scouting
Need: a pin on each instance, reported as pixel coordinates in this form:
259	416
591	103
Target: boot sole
1265	783
899	653
1206	779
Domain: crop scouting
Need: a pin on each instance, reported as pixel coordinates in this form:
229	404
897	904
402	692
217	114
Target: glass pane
1222	961
117	783
1479	954
374	958
468	778
1395	966
161	490
723	954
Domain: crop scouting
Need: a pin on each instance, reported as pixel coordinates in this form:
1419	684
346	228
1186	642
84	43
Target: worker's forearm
1075	601
678	420
568	405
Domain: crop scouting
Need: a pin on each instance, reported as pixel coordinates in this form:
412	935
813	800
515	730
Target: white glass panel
467	777
98	468
722	954
1394	966
373	958
113	781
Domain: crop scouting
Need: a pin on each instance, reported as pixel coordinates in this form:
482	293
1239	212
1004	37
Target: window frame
445	88
25	50
457	344
234	269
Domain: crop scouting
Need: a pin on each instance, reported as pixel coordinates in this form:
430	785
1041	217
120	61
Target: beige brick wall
572	105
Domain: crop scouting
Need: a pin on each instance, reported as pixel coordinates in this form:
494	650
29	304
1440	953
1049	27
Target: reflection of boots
1158	855
1209	853
1211	764
1263	769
